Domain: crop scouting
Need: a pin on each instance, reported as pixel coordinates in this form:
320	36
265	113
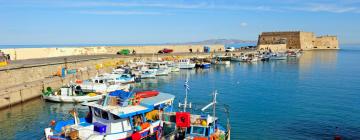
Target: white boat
73	99
186	64
148	74
221	60
116	117
124	79
70	94
238	58
161	68
278	56
101	86
173	66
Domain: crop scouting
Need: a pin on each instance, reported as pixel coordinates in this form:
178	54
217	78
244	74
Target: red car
165	50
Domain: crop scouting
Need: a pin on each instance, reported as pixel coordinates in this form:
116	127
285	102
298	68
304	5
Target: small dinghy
147	94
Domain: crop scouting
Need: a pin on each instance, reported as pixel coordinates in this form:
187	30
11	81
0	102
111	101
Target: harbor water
314	97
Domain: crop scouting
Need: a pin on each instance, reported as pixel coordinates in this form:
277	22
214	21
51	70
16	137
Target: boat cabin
157	65
190	125
114	118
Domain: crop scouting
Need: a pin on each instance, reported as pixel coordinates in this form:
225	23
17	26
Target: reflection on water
304	98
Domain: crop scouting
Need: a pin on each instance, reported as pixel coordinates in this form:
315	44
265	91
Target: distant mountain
218	41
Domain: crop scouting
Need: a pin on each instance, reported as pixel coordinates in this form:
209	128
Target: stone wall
307	40
291	39
273	47
299	40
30	53
22	84
326	42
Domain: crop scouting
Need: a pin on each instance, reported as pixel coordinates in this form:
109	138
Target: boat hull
72	99
187	66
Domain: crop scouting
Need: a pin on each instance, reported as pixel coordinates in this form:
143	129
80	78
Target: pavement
18	64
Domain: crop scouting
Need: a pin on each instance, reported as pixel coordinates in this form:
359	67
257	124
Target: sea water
314	97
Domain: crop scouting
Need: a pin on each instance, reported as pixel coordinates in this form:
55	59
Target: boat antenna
213	103
187	88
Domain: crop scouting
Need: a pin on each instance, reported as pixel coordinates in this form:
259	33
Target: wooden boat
71	94
73	99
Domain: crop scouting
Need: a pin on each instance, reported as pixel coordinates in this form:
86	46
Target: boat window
115	117
101	81
198	130
97	112
105	115
126	125
96	81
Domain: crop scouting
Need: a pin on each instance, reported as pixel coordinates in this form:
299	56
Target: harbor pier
24	80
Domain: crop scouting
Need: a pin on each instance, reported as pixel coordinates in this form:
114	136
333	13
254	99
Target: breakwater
25	82
31	53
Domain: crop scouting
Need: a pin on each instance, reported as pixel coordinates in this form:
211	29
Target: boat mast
185	105
214	106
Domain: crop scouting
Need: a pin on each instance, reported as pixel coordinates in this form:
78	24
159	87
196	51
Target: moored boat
148	74
70	94
186	64
278	56
221	60
120	115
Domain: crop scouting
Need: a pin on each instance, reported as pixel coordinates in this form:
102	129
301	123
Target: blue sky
160	21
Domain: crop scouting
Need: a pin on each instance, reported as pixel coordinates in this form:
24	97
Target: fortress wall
291	39
326	42
307	40
30	53
273	47
299	40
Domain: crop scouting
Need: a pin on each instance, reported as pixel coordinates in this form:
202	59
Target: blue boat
120	115
205	65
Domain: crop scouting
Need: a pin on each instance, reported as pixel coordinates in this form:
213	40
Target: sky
171	21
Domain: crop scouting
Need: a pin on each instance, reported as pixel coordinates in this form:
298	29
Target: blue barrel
206	49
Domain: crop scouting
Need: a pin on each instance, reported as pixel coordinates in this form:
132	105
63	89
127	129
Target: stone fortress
296	40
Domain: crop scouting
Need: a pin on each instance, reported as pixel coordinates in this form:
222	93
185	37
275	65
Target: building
296	40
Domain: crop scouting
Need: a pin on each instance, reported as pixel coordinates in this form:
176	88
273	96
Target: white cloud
243	24
331	8
99	12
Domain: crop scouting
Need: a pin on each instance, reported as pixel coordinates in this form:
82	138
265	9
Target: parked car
123	52
165	50
229	49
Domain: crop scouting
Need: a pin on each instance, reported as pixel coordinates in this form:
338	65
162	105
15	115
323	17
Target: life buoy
182	119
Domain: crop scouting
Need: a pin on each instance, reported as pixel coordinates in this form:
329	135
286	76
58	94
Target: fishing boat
124	79
237	59
186	64
204	126
205	65
148	74
70	94
278	56
101	84
221	60
174	67
161	68
264	57
294	53
120	115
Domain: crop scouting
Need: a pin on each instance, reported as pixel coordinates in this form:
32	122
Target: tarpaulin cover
121	94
